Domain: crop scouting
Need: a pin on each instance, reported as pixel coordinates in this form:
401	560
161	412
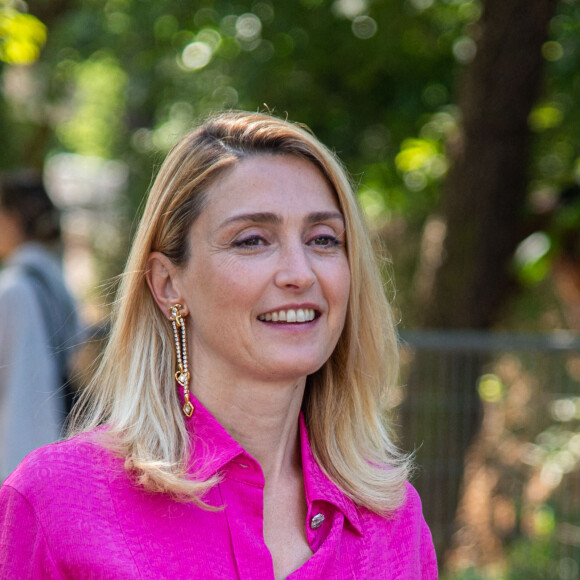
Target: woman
38	322
234	428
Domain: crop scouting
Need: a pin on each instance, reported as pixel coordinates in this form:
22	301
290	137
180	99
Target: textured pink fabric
70	511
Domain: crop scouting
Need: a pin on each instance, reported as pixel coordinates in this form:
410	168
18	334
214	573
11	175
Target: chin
297	370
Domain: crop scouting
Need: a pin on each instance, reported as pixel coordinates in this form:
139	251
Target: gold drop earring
182	375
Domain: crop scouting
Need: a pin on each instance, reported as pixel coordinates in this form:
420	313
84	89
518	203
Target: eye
250	242
325	241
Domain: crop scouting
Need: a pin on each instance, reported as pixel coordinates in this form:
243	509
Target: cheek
341	286
336	289
224	287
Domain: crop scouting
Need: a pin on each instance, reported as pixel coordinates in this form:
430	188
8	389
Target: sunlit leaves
97	107
546	116
420	160
374	206
533	258
22	37
544	521
416	155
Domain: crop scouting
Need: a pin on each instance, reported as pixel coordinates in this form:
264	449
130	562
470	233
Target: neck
261	417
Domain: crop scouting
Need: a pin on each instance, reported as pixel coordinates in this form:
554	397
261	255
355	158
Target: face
267	281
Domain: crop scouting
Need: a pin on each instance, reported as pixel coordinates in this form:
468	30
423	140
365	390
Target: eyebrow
272	218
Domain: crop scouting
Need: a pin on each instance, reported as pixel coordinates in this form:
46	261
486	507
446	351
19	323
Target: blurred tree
484	197
482	208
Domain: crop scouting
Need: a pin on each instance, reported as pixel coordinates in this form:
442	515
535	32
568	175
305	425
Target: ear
164	282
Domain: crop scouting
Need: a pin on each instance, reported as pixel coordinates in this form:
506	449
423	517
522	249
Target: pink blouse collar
214	448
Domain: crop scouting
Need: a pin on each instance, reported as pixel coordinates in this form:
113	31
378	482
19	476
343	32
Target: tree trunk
486	189
482	205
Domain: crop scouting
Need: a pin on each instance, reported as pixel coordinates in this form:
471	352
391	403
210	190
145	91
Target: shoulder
411	507
409	513
59	514
14	286
69	481
409	519
19	269
21	339
63	470
404	537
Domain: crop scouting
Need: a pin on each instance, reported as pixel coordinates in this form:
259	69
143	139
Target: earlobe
162	278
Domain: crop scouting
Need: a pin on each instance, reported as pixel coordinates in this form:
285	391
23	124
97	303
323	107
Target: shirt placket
334	555
242	490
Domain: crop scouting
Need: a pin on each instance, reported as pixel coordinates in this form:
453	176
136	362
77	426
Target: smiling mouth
290	316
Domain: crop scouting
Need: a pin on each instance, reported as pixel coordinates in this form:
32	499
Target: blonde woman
235	427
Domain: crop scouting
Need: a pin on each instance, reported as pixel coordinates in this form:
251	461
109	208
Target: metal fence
495	419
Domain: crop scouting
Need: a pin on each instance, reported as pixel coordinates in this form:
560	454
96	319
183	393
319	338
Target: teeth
300	315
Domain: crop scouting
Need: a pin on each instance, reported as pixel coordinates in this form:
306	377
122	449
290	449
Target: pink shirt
70	511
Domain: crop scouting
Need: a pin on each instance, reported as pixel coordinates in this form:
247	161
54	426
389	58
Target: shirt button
316	521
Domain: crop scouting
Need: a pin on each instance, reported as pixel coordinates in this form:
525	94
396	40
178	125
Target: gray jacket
36	313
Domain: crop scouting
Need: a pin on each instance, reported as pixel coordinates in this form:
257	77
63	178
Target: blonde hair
133	391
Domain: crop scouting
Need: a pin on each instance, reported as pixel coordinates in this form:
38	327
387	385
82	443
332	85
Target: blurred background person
39	326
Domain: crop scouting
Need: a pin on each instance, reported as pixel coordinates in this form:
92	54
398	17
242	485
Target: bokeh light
248	27
364	27
546	116
22	37
196	55
464	49
349	8
421	4
490	388
552	51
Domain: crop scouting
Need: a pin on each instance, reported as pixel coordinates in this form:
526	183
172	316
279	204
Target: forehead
271	183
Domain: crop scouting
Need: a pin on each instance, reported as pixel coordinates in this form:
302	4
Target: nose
295	269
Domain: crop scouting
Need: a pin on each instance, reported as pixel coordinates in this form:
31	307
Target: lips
290	316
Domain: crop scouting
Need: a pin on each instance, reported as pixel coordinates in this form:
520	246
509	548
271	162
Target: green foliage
336	66
374	79
124	79
22	36
533	258
556	120
98	105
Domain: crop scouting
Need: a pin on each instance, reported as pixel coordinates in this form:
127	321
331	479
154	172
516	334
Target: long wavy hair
133	391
